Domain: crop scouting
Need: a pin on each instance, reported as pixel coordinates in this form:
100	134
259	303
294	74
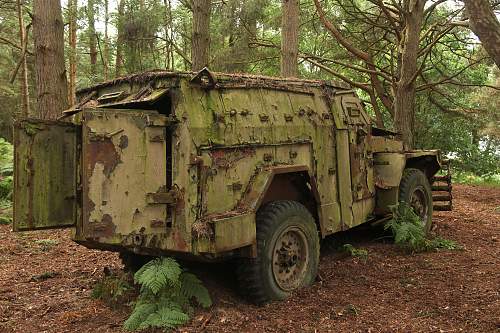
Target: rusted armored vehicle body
216	166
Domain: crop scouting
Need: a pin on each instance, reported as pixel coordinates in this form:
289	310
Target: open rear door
45	174
124	173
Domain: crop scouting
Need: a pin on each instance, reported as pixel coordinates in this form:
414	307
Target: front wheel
416	191
287	253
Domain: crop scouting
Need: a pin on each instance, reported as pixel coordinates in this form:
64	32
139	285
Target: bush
6	171
6	158
409	233
166	295
472	179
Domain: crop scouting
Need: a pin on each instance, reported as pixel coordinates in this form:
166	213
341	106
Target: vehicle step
446	188
438	198
442	207
446	178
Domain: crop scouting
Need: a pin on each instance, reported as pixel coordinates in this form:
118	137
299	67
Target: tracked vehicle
214	166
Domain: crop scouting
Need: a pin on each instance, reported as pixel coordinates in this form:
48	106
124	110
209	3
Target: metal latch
169	197
102	136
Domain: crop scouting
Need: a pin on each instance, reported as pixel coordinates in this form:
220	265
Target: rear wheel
416	191
287	253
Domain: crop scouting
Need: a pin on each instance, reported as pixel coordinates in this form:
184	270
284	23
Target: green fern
139	315
193	288
165	318
158	273
166	295
409	233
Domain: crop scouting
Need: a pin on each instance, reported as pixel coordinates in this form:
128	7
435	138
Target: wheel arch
294	183
429	162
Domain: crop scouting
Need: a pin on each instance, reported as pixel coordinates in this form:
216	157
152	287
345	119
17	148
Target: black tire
416	191
132	262
287	253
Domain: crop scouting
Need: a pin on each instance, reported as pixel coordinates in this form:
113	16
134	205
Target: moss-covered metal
180	163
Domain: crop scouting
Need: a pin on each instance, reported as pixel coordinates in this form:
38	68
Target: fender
389	169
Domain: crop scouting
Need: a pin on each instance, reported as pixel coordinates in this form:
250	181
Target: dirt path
46	280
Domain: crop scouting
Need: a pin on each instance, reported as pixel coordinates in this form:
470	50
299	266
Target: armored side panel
45	178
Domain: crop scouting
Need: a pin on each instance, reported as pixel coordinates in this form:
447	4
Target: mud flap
45	174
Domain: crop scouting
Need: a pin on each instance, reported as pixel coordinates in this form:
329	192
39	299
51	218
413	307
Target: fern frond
165	296
192	287
164	318
158	273
139	315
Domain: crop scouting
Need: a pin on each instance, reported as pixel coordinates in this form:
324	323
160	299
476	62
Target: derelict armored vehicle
217	166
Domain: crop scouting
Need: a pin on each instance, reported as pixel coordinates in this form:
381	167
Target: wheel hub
290	257
419	204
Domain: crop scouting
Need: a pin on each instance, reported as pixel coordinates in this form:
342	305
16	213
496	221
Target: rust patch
104	228
180	202
226	158
157	223
123	142
202	230
103	152
179	241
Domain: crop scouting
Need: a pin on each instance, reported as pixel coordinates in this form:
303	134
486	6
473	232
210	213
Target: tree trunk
92	37
24	66
119	39
485	25
404	101
200	44
289	38
50	72
106	41
168	26
72	10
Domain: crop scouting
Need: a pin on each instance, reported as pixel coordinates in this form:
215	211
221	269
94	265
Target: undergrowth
6	181
46	244
166	296
409	232
355	252
113	290
472	179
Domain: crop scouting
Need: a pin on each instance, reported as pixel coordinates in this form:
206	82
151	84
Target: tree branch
360	85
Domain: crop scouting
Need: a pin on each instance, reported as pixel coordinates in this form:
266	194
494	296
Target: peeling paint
189	176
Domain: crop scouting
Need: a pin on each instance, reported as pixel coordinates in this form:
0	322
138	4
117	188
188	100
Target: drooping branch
447	79
364	86
362	55
381	73
22	57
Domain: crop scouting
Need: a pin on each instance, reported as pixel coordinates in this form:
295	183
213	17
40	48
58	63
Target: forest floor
46	282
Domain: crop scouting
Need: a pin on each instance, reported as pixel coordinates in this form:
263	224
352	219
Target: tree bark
289	38
404	101
92	37
200	44
402	106
119	39
50	72
72	10
485	25
106	40
168	26
25	104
